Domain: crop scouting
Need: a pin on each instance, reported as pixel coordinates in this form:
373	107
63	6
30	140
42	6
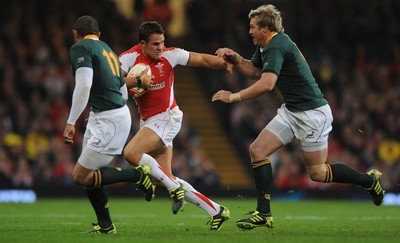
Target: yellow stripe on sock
100	178
96	178
328	175
256	164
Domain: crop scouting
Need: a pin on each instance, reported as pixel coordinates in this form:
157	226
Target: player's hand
68	134
229	56
147	80
223	96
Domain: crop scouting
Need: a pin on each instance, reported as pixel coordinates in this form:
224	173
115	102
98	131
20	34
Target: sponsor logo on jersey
157	86
81	59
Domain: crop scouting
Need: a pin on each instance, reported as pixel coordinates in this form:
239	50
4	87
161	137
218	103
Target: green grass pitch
62	220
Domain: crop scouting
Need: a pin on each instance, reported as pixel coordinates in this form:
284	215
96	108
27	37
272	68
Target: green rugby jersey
107	76
295	81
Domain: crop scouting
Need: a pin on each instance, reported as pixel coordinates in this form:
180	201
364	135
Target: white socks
158	173
198	199
191	194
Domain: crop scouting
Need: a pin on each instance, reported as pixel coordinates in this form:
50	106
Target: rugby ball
133	72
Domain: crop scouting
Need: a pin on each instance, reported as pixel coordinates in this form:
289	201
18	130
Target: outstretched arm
208	61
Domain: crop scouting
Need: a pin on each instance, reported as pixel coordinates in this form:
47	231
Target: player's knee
132	157
255	150
316	173
81	180
315	176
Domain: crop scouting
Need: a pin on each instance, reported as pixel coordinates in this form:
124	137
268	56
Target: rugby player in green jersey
305	114
99	83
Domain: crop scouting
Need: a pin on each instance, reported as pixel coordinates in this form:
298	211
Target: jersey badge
160	66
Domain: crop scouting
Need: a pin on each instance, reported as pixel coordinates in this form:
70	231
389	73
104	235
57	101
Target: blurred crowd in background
353	48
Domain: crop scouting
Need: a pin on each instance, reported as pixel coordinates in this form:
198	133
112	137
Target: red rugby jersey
160	96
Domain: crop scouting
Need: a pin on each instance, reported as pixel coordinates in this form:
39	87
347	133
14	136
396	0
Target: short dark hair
148	28
86	25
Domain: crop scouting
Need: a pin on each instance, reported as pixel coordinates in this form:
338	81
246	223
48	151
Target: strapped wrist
238	59
235	97
139	81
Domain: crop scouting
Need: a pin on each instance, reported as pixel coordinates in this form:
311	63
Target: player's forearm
246	68
205	60
131	82
214	62
80	97
255	90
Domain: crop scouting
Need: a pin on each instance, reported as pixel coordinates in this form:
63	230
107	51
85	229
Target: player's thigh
166	125
81	175
312	127
144	141
88	162
265	144
93	160
316	157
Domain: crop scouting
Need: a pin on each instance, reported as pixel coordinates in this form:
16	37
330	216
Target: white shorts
311	127
105	136
166	124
